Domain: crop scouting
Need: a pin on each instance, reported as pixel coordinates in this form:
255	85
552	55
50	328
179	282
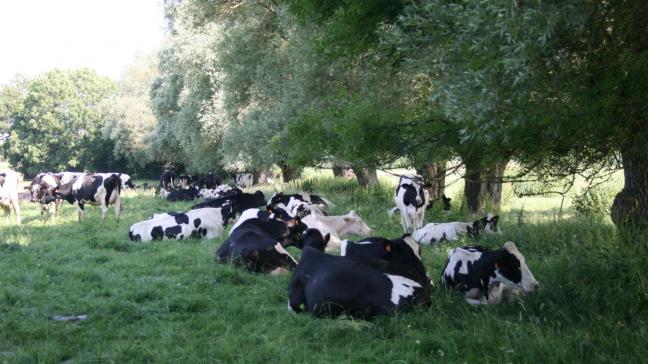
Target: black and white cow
39	185
268	213
240	201
182	194
320	202
185	180
451	231
205	223
220	191
411	199
243	180
376	247
66	177
93	189
210	181
9	195
126	181
166	179
258	245
484	275
329	285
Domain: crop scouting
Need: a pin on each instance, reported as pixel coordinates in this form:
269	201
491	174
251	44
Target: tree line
558	87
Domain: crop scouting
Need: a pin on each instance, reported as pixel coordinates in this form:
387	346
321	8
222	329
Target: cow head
355	225
487	224
228	213
314	238
276	198
405	259
511	269
278	213
295	230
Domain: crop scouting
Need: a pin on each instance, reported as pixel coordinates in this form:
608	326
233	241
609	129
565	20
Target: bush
592	202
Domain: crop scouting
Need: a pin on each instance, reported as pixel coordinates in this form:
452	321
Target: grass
168	301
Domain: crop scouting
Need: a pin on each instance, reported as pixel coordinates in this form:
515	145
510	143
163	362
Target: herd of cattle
371	276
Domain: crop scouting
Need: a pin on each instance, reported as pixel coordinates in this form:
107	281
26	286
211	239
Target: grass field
168	301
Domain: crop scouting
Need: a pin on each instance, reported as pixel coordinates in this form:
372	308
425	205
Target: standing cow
411	199
93	189
9	195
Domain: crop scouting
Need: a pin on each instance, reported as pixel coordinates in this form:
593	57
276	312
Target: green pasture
168	302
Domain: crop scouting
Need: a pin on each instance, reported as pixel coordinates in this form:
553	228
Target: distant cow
185	180
483	275
93	189
411	199
450	231
321	203
338	226
166	179
243	180
255	213
205	223
209	181
329	285
9	195
240	201
183	195
257	244
40	184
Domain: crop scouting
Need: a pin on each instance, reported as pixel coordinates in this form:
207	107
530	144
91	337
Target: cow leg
296	298
16	208
81	211
404	220
58	204
117	207
496	293
7	212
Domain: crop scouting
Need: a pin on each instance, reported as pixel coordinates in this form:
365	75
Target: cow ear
327	237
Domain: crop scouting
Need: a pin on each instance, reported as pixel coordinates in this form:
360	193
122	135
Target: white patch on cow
9	196
436	232
279	248
401	287
463	255
343	247
245	215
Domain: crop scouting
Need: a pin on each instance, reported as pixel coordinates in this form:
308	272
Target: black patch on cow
172	231
197	222
110	184
157	233
181	218
509	266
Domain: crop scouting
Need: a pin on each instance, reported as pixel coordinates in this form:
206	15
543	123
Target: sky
105	35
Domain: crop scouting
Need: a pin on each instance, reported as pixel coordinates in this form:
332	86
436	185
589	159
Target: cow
322	203
220	191
243	180
375	247
300	208
93	189
166	179
183	195
338	226
185	180
450	231
258	245
411	199
206	223
66	177
329	285
40	184
255	213
209	181
240	201
484	275
9	195
126	181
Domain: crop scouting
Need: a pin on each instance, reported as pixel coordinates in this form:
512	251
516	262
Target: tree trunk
366	176
434	173
473	188
491	188
288	173
630	207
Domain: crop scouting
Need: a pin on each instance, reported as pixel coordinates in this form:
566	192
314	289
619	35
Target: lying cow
240	201
268	213
325	284
300	208
243	180
411	199
484	275
220	191
205	223
319	201
93	189
183	195
257	244
338	226
9	195
376	247
450	231
185	180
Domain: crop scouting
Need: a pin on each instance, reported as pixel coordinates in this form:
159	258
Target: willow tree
561	86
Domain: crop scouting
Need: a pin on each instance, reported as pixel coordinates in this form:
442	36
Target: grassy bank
169	302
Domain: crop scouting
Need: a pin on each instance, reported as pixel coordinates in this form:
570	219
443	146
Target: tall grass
168	302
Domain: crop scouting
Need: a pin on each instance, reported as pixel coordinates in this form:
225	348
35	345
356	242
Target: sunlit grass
168	302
